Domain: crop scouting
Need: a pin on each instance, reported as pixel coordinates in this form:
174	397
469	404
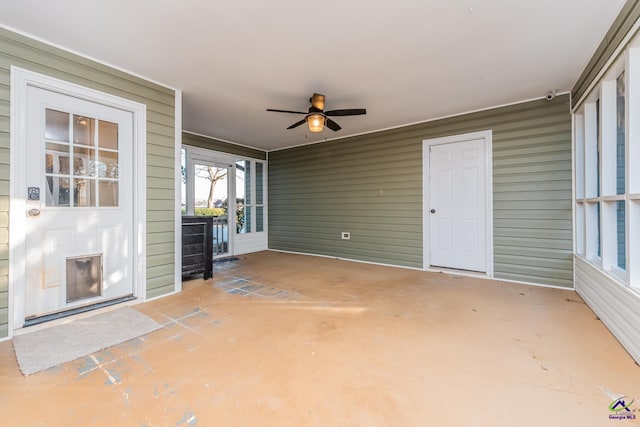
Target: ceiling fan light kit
316	118
315	122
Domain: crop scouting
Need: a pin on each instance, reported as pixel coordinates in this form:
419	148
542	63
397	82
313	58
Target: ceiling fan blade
333	125
286	111
296	124
346	112
317	101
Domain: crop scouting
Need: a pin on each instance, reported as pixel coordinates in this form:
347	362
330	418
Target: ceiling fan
316	118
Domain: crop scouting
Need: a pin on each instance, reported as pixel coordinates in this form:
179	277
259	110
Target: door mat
50	347
227	259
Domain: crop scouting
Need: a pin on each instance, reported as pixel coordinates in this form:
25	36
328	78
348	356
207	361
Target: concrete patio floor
289	340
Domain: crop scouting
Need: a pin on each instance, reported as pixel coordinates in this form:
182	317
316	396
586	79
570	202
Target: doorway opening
231	192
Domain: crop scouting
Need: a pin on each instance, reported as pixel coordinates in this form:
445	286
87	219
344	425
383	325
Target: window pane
247	219
240	228
621	234
259	185
242	177
57	191
56	125
61	163
108	135
580	222
54	153
84	192
83	161
259	219
597	232
597	171
83	130
183	193
210	190
108	193
107	165
620	134
247	182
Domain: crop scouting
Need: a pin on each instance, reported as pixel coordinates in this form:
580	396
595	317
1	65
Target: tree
212	174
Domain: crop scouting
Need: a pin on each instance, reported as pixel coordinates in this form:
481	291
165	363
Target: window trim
595	147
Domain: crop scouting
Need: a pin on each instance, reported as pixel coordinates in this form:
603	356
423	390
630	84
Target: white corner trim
20	80
487	136
178	192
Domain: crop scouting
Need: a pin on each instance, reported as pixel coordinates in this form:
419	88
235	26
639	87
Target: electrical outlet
346	235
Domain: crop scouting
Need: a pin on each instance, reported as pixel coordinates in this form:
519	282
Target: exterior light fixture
315	122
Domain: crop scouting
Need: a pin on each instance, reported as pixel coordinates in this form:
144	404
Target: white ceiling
406	61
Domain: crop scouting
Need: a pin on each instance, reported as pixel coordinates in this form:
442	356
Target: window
259	197
250	196
620	135
81	161
243	196
607	207
620	172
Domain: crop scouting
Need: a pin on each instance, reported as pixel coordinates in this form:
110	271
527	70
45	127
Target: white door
211	198
79	200
457	205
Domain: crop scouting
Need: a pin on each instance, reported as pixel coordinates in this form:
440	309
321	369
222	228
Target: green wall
32	55
371	186
221	146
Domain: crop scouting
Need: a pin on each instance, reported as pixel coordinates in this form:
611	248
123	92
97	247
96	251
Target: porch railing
220	231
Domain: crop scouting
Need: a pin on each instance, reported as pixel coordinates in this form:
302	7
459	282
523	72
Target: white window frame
587	197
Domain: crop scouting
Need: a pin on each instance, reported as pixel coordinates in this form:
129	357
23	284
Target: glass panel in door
211	198
81	165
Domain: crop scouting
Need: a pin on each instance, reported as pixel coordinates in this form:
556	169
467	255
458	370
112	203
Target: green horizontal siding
318	191
371	186
221	146
39	57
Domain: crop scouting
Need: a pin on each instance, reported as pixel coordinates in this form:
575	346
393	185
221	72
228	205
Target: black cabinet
197	245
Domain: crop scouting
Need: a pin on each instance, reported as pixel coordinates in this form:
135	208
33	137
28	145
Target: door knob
33	212
433	211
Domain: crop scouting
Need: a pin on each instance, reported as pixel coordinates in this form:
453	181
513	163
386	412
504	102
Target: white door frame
208	157
238	243
20	80
487	136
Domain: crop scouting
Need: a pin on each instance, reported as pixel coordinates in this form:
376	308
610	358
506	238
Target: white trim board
178	193
20	80
487	136
430	270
